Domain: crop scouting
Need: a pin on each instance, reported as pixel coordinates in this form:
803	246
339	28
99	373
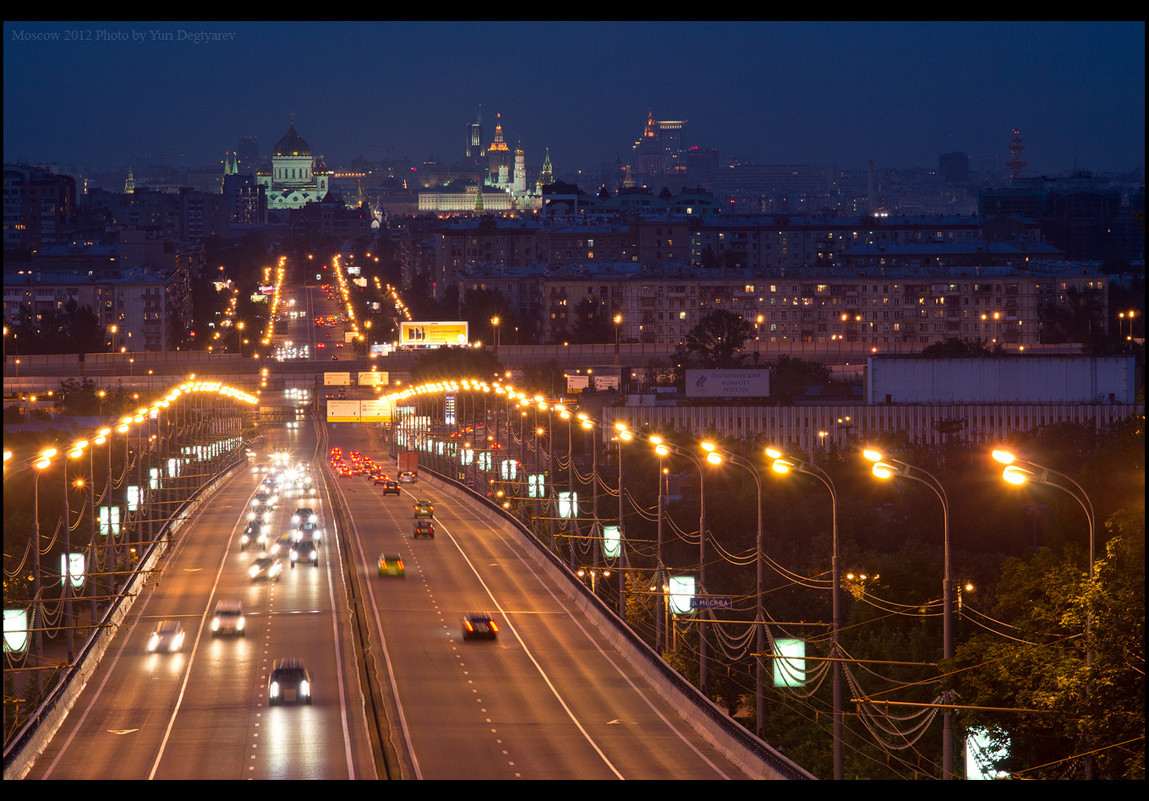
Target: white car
167	636
228	619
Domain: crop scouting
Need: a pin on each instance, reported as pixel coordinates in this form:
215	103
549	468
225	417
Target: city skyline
107	95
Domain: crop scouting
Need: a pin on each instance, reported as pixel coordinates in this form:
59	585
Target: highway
550	698
397	692
203	713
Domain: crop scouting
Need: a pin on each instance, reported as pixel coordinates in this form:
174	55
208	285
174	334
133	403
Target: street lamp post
624	435
886	467
759	590
1017	472
43	461
712	458
783	464
617	340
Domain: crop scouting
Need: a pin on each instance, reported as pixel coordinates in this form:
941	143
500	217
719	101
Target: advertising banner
343	411
432	335
727	383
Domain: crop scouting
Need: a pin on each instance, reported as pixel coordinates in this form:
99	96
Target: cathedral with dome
294	177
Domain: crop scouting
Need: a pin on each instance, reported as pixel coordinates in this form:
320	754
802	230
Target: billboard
375	378
727	383
1032	378
375	411
577	383
432	335
343	411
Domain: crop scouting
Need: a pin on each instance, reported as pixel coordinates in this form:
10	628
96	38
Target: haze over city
109	95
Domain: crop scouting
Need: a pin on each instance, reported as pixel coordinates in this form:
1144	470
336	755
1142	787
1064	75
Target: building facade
294	178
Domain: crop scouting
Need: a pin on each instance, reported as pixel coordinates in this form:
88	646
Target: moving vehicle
266	568
479	626
304	552
228	618
408	468
256	533
390	487
289	681
308	532
304	514
424	508
391	564
424	528
167	636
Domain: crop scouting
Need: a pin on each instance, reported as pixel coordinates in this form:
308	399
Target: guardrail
741	746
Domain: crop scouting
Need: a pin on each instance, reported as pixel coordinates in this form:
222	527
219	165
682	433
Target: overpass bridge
151	370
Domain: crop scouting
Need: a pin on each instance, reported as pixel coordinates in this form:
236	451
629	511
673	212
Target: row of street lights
884	467
207	438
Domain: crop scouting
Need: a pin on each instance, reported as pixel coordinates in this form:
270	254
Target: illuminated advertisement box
790	667
432	335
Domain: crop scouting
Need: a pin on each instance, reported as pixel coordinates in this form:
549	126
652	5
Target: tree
790	376
1068	680
452	363
589	325
718	338
479	306
954	347
70	329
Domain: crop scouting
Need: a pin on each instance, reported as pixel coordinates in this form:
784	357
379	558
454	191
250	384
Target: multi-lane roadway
397	691
550	698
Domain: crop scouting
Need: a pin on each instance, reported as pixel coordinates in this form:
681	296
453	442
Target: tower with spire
498	157
650	158
547	176
1015	163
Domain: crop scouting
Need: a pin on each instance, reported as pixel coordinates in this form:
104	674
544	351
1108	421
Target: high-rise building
248	155
670	134
476	150
39	208
954	167
499	156
649	156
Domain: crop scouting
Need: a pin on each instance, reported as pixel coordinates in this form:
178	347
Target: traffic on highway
337	612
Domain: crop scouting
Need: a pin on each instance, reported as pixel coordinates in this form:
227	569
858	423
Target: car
266	568
305	551
479	626
424	508
304	514
288	681
228	618
256	533
167	636
407	477
424	528
282	546
390	487
391	564
261	512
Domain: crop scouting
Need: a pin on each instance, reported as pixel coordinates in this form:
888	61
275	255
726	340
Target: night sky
897	94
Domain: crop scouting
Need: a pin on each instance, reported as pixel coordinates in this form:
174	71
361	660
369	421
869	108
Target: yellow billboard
432	335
